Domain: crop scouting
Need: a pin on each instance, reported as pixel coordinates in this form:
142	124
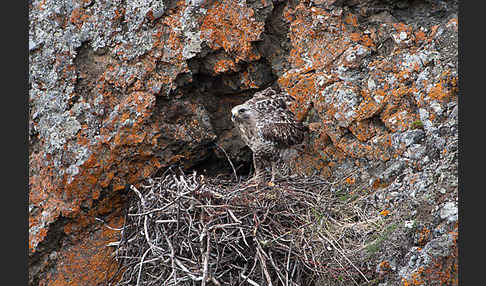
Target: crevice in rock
229	83
219	88
214	166
42	260
424	13
275	45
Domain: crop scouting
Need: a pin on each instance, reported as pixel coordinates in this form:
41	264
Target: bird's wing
283	129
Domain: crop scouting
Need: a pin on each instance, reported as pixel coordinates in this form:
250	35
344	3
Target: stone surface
120	90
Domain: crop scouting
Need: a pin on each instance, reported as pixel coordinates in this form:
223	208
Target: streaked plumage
267	126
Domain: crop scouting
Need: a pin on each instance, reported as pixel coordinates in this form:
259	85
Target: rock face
119	90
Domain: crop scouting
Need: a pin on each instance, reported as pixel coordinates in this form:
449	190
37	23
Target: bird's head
241	113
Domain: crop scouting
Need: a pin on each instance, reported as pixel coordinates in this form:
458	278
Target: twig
229	160
141	265
206	260
263	263
275	267
172	256
107	226
347	259
182	228
249	280
133	188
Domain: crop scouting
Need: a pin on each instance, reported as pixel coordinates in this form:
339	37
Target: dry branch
184	229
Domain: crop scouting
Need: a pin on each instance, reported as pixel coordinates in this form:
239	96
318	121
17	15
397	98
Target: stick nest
185	229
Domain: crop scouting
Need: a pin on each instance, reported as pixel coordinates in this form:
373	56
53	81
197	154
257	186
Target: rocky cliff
120	90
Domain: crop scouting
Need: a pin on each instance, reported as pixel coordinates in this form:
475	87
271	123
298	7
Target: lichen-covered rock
120	90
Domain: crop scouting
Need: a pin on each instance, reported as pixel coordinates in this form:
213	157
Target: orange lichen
350	181
119	13
379	184
367	41
118	187
385	212
402	27
41	5
351	19
384	266
233	28
424	236
247	80
302	91
368	107
224	65
315	45
96	194
453	22
78	17
363	130
355	37
419	36
108	176
443	270
416	277
91	179
88	260
445	89
399	121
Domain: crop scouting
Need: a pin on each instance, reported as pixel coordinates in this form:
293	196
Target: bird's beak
233	114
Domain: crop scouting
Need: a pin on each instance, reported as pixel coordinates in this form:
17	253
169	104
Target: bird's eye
242	110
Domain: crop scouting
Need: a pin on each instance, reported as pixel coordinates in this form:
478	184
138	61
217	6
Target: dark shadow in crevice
214	166
38	263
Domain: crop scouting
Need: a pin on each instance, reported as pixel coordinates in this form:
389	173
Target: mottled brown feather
267	126
283	133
